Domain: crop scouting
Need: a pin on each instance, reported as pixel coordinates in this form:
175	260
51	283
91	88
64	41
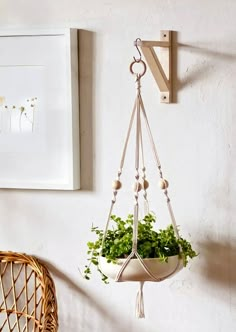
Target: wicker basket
27	295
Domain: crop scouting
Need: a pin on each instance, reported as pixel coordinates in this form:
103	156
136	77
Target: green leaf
151	244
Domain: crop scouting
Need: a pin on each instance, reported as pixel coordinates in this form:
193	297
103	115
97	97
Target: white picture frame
39	109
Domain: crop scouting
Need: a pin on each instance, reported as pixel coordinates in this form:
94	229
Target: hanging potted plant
132	250
161	251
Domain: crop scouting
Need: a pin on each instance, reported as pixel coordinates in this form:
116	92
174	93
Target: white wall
196	144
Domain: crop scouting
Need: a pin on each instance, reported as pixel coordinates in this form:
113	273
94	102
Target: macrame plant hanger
138	117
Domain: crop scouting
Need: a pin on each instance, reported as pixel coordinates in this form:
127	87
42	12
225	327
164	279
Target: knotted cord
138	111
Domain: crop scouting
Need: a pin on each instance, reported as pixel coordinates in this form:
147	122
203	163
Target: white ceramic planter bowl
135	272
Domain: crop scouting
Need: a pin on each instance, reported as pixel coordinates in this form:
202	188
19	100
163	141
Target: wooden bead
163	184
145	184
137	186
116	184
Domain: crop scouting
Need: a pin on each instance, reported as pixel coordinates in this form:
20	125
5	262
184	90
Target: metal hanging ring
139	62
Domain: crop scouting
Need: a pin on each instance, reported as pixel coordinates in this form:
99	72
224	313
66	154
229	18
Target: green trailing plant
151	244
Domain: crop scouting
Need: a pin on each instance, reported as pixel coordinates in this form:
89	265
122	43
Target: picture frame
39	109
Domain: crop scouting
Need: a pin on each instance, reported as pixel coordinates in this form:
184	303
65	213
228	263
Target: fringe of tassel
140	302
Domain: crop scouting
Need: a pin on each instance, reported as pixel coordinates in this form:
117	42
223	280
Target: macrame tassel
140	302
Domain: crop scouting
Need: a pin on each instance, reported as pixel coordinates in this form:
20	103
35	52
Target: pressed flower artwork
39	110
17	118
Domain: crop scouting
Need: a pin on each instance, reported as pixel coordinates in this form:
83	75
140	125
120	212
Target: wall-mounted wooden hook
160	66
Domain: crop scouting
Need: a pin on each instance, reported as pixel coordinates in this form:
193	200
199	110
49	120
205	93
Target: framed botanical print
39	109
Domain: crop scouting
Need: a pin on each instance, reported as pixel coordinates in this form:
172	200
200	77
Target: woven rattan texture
27	295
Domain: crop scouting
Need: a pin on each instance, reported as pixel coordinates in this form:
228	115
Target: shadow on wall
220	263
109	319
200	70
86	70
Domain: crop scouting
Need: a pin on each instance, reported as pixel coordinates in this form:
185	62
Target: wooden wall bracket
160	65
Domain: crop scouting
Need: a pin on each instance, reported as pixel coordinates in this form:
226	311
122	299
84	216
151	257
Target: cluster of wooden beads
163	184
142	185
